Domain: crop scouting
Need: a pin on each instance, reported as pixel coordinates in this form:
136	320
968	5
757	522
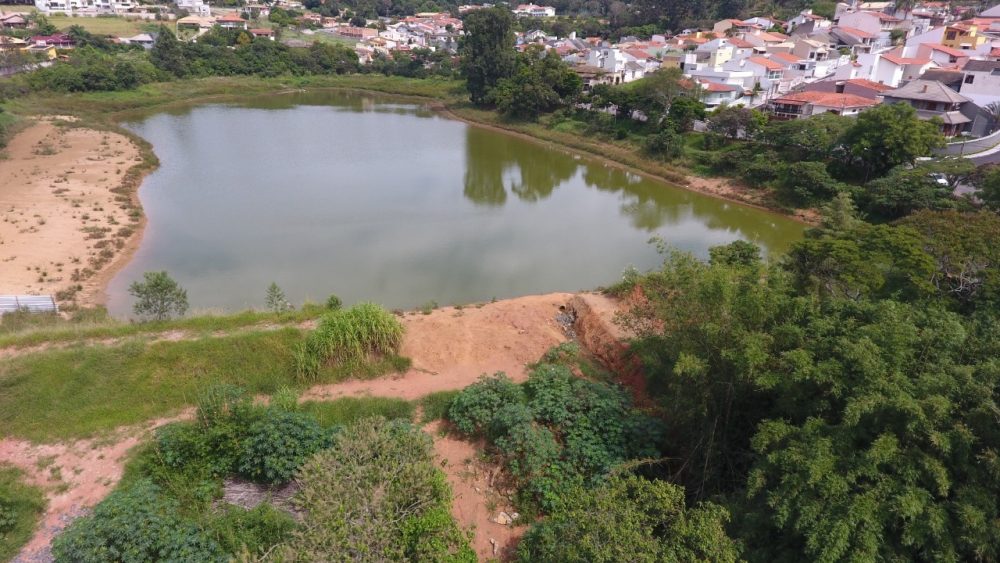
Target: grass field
119	27
348	409
20	507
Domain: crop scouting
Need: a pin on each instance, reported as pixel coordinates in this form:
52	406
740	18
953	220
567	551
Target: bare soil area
61	227
450	348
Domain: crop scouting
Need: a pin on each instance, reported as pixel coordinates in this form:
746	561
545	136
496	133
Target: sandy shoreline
68	216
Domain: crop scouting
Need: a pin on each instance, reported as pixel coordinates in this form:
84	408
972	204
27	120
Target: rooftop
826	99
927	90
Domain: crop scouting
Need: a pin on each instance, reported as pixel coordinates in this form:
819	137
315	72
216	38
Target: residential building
13	21
715	94
800	105
981	82
195	23
533	11
58	40
84	7
963	36
231	22
855	86
195	7
263	33
942	55
933	99
145	40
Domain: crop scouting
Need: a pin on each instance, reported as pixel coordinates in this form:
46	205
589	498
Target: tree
925	186
816	138
629	518
487	51
992	109
736	122
988	185
885	137
808	183
276	300
684	111
168	53
541	84
656	92
158	297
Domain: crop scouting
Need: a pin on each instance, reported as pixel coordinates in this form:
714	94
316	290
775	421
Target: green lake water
373	199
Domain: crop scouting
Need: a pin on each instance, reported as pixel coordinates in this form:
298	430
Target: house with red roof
879	24
854	86
800	105
57	40
231	21
715	94
942	55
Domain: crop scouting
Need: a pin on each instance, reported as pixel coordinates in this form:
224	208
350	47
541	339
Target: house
807	17
145	40
886	68
715	94
880	24
800	105
84	7
263	33
13	21
981	82
592	76
231	22
533	11
47	52
195	23
855	86
734	27
195	7
857	40
933	99
10	44
942	55
963	36
58	40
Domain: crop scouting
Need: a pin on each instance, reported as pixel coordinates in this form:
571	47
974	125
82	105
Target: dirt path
450	348
61	226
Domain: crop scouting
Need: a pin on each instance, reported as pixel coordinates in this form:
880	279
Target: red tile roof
716	87
949	50
827	99
787	57
904	60
740	43
870	84
856	32
766	63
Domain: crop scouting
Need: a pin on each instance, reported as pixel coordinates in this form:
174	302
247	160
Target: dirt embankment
450	348
67	217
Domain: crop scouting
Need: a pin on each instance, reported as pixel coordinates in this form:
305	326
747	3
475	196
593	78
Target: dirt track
450	349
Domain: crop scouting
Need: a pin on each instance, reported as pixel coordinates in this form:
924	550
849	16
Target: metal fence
32	303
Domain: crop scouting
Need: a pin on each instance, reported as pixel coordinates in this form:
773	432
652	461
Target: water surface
373	199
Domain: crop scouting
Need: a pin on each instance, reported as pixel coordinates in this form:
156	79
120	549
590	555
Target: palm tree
993	110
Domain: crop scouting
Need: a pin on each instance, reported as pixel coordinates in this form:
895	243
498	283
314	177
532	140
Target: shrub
474	409
529	449
333	303
629	519
278	444
350	409
373	496
808	183
253	531
436	405
137	524
666	144
350	337
219	403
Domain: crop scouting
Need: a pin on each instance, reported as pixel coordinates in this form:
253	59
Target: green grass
120	27
110	107
320	37
350	337
20	507
348	409
39	329
435	406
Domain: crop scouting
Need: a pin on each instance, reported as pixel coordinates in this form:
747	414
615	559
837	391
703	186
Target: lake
373	199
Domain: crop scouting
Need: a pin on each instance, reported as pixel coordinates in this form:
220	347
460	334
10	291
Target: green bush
474	409
436	405
278	444
629	519
20	507
667	144
376	495
334	303
254	531
349	337
137	524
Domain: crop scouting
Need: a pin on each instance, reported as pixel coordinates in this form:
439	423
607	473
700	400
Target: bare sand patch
62	227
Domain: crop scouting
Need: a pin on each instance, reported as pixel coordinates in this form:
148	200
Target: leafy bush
334	303
349	337
629	519
278	444
667	144
376	495
474	409
559	431
137	524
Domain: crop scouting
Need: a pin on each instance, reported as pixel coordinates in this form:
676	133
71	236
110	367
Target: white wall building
84	7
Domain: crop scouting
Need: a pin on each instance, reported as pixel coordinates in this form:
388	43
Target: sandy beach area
63	227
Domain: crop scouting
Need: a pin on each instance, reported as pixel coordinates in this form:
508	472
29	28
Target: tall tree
885	137
487	51
158	297
168	53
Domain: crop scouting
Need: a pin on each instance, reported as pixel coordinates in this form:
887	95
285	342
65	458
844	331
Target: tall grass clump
349	337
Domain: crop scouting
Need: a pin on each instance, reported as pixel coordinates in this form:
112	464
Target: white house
715	94
982	82
533	11
84	7
885	68
196	7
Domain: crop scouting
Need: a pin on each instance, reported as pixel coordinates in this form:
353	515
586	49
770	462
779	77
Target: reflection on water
375	199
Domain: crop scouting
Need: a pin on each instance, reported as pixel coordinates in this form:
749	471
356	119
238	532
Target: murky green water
373	199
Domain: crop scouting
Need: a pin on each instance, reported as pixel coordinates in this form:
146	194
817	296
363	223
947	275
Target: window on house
969	78
951	36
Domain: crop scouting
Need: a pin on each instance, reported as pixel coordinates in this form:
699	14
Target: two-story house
933	99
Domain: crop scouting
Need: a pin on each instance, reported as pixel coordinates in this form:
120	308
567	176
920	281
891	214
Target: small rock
478	490
514	515
503	519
